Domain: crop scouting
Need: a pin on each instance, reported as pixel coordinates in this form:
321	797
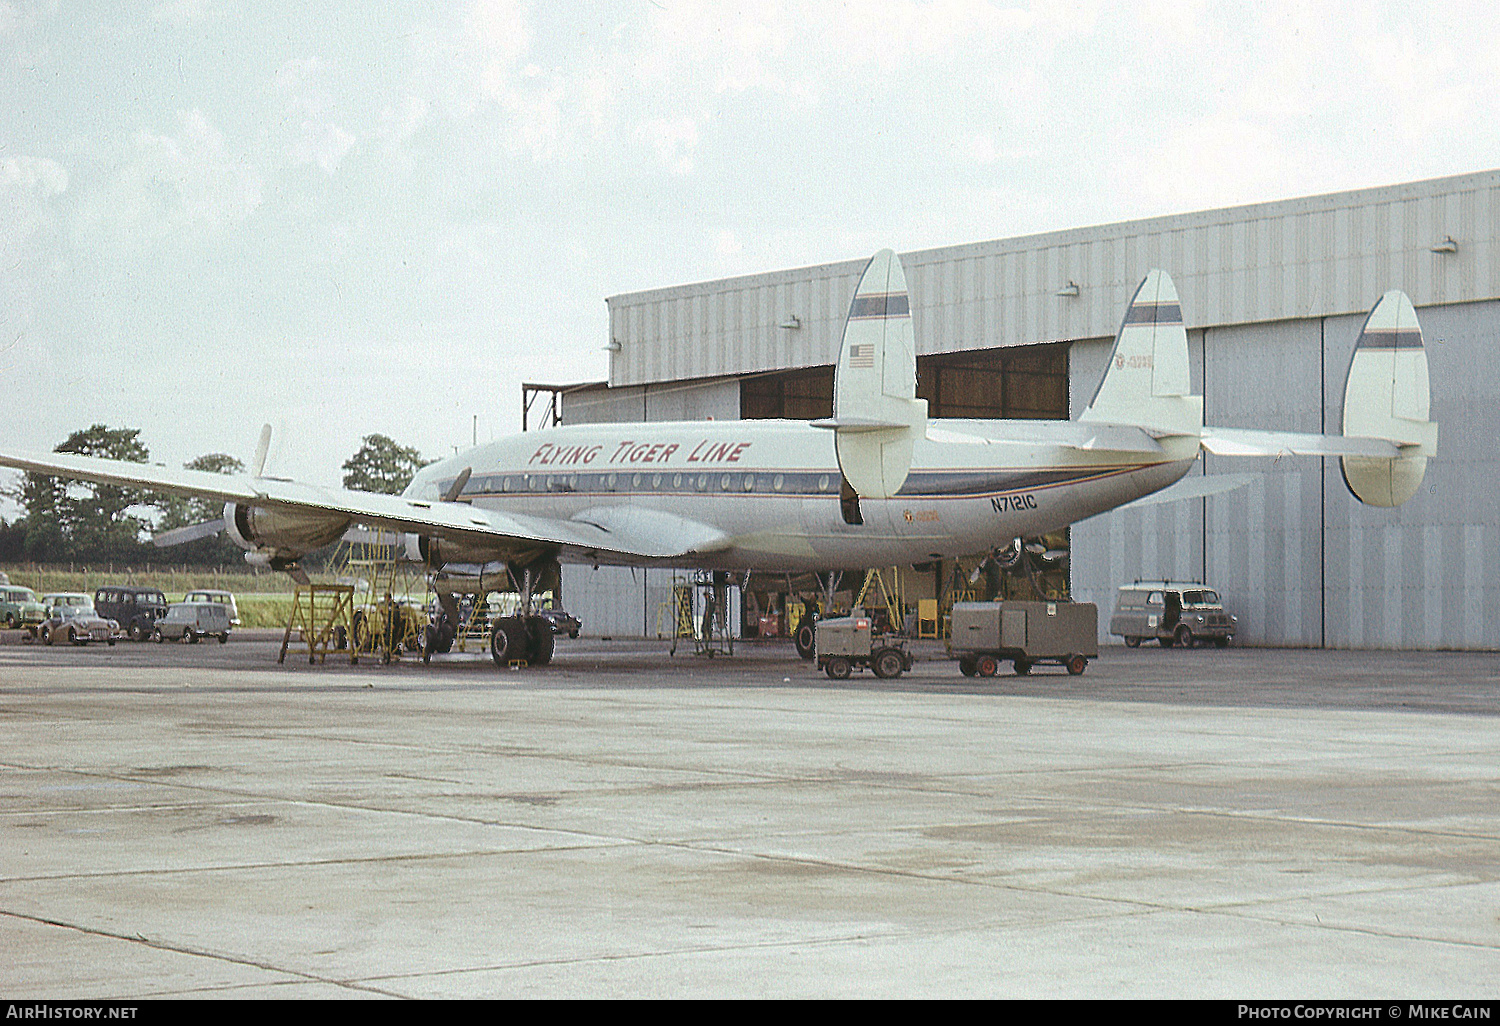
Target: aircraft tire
507	640
540	641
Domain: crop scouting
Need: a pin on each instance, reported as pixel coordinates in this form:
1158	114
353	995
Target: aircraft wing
642	536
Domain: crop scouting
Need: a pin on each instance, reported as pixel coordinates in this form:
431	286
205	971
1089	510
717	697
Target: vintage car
562	622
1174	613
137	609
222	598
20	608
77	625
188	621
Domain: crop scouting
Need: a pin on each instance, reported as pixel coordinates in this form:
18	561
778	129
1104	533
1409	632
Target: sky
344	218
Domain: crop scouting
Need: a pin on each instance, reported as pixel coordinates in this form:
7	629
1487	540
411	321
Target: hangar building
1273	295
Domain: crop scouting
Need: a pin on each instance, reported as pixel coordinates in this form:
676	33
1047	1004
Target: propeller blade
192	532
261	448
458	485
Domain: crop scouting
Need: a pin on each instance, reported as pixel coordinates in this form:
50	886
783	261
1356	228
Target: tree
382	466
79	520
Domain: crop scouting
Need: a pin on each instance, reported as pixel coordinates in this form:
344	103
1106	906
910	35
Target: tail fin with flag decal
877	417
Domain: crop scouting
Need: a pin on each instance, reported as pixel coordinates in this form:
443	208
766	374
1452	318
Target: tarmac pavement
197	821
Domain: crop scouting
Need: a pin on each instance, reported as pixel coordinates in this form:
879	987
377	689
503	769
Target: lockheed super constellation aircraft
875	485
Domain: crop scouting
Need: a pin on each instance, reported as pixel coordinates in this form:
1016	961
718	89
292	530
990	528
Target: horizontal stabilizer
1197	487
1251	442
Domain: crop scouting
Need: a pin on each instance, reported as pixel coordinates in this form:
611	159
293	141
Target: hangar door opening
1023	382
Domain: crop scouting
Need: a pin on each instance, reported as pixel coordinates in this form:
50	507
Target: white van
222	598
189	621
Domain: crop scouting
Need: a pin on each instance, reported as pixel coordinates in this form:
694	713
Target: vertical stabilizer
876	414
1147	382
1386	396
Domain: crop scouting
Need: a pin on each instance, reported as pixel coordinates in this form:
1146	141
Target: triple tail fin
1147	382
877	417
1386	396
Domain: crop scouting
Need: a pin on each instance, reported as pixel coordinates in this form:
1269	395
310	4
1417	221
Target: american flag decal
862	355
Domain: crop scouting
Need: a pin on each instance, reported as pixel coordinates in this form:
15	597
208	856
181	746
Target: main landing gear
518	640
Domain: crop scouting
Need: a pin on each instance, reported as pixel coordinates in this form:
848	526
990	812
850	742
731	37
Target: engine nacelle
280	535
438	552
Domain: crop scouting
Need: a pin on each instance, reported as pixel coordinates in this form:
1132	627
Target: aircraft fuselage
772	487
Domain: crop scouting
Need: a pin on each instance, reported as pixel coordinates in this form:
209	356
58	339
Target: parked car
137	609
222	598
67	598
188	621
19	608
77	625
1173	613
562	622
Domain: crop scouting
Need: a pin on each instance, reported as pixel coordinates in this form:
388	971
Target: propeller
209	528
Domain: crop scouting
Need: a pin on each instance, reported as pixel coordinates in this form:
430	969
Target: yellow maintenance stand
375	605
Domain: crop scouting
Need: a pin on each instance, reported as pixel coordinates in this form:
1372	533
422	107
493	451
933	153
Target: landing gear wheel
967	665
887	664
806	639
507	640
1023	667
540	641
986	666
1183	637
1077	664
838	668
1132	642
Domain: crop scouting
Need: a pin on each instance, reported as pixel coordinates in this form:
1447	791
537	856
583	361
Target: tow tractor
848	641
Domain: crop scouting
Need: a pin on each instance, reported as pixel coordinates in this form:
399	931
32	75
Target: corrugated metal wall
1315	257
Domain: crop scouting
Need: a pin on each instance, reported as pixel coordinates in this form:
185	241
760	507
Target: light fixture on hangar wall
792	323
1070	289
1448	245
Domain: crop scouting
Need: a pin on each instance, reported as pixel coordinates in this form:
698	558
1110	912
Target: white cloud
673	141
169	186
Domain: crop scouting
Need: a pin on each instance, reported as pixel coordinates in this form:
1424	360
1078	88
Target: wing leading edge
644	536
